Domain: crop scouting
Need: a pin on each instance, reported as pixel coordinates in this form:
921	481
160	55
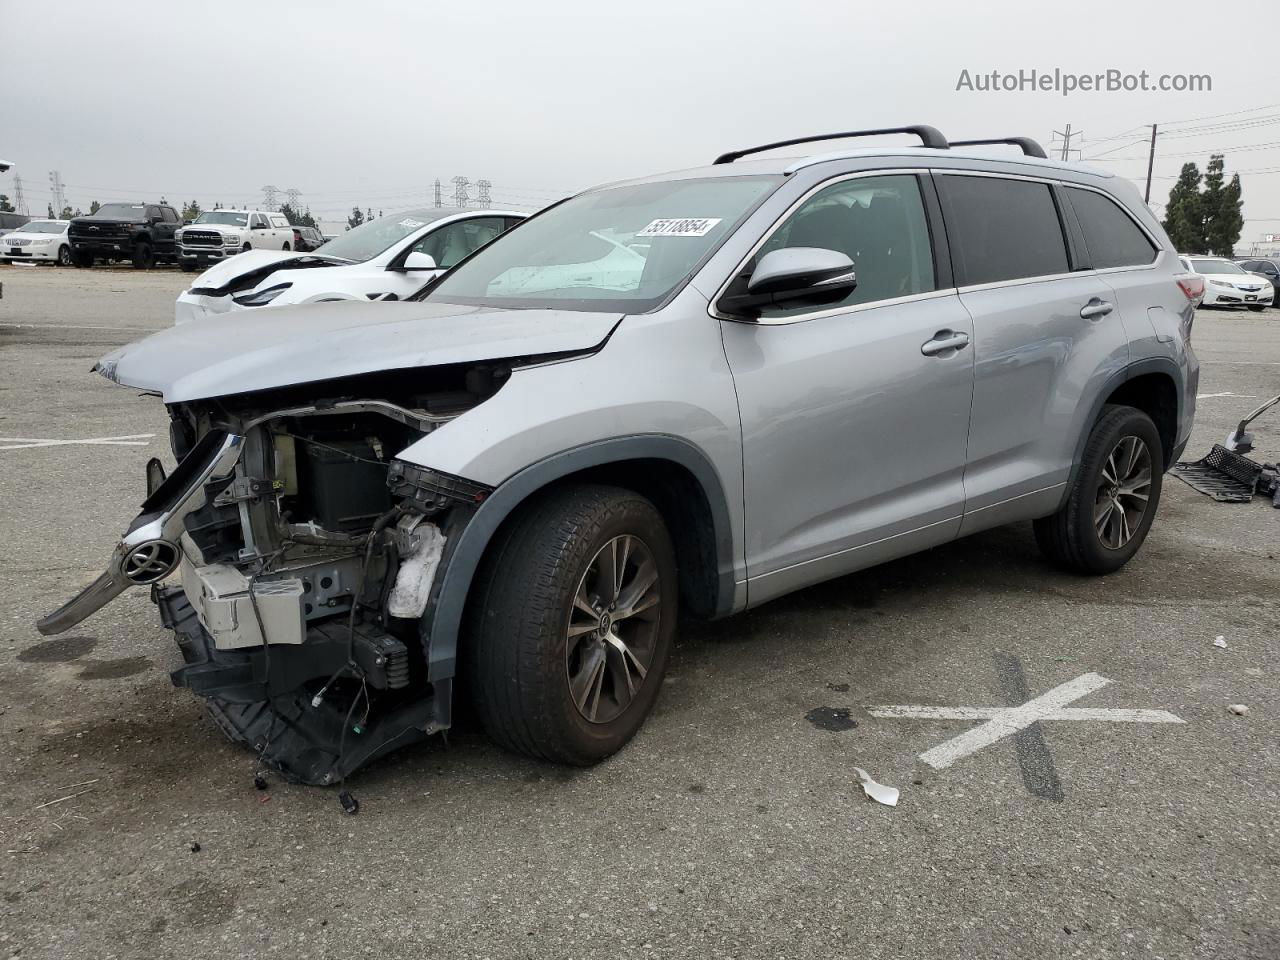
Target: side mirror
419	261
794	276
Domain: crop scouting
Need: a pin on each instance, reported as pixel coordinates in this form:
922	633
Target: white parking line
1004	721
22	443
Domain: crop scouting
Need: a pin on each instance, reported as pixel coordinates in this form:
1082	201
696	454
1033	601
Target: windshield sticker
406	222
688	227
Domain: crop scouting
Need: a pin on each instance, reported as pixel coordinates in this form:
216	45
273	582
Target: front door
854	417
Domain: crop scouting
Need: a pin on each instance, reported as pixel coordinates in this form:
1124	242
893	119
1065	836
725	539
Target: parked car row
700	390
37	241
1229	284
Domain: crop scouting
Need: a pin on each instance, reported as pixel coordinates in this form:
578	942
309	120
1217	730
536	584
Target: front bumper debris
149	551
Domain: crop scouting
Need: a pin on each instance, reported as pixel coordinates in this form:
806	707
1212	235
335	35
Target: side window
169	215
451	243
1002	229
1114	240
258	220
878	222
152	213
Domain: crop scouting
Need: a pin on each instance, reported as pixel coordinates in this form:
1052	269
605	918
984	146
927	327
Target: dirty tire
516	646
1070	537
143	258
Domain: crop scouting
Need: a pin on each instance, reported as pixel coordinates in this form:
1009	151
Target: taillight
1192	286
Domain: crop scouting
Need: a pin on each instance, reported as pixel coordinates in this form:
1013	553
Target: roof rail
929	137
1029	146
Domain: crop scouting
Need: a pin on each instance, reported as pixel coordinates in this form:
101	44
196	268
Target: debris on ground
1220	641
834	719
877	791
1226	474
1239	709
195	847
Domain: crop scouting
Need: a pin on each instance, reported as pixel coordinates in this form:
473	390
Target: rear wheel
571	624
1113	499
285	247
143	258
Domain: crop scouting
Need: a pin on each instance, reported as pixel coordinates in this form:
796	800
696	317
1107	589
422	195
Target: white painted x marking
132	440
1004	721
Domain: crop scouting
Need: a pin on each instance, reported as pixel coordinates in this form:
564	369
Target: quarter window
1003	229
878	222
1114	240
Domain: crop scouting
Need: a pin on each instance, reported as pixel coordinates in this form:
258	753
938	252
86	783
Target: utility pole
1151	162
19	203
294	195
483	186
59	194
439	201
1067	136
269	196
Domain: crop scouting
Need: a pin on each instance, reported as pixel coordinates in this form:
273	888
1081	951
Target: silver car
700	390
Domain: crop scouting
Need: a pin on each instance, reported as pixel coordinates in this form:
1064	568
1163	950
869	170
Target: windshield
128	211
1216	266
43	226
622	248
228	217
369	239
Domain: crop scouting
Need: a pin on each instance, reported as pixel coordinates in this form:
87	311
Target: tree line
1205	220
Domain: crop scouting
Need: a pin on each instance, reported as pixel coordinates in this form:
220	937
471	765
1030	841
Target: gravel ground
734	825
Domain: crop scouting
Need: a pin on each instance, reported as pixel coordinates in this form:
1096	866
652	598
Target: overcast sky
368	102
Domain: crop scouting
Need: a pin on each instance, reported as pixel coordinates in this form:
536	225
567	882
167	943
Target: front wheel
246	248
84	260
571	624
64	256
188	267
1256	307
143	258
1113	498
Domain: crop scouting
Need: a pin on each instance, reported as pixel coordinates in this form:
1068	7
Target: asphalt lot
734	825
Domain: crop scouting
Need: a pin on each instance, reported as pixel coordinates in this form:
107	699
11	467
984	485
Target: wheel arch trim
471	542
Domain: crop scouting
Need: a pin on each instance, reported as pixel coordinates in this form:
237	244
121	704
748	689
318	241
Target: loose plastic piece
350	805
877	791
1239	709
1220	641
421	547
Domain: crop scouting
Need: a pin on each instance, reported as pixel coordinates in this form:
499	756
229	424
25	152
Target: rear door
1047	335
854	417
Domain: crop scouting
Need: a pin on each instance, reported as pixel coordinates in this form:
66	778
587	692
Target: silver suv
699	390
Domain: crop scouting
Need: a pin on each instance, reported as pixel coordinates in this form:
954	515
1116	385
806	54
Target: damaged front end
304	555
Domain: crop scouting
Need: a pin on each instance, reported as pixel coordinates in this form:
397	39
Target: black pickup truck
139	232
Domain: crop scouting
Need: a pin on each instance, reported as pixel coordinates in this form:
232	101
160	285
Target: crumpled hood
239	353
220	273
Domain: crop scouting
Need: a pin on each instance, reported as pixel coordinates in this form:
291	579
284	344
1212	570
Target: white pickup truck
218	234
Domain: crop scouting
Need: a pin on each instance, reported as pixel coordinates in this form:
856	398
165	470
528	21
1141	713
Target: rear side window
1003	229
1114	240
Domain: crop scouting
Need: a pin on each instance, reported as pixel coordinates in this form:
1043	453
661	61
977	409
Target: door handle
1095	309
944	341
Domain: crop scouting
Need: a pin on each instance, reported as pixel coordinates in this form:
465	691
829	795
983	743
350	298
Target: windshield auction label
688	227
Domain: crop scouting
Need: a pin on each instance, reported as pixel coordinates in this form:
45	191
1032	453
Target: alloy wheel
613	628
1123	495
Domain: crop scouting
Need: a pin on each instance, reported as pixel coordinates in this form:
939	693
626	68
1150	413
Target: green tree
355	219
5	205
94	207
191	210
1184	216
68	213
1221	204
51	216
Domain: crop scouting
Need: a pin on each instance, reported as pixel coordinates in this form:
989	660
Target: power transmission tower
1067	136
59	194
439	201
460	185
19	203
293	194
483	186
269	196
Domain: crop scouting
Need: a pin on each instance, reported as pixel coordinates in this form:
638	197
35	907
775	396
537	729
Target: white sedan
385	259
39	241
1227	284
